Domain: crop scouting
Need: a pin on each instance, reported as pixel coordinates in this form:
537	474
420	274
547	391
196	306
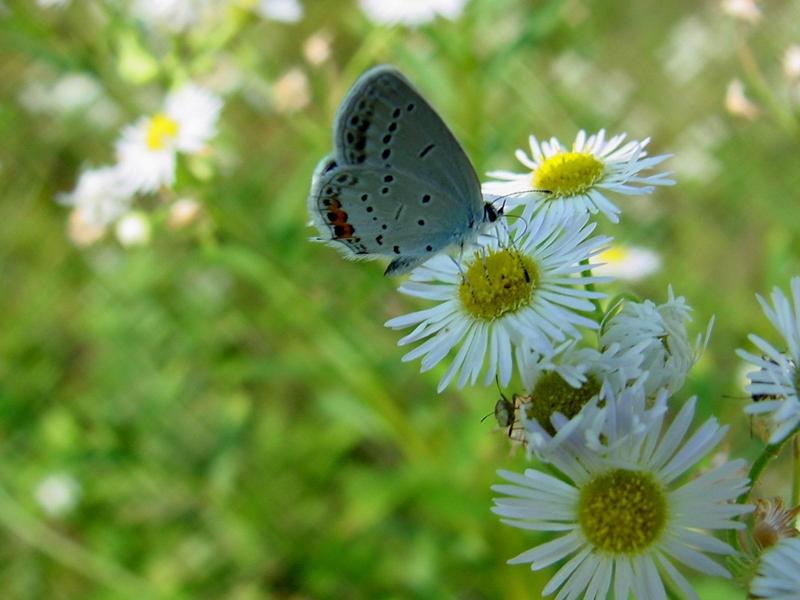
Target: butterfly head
490	213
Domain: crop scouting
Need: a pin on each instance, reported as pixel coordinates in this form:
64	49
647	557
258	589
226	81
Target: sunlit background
206	405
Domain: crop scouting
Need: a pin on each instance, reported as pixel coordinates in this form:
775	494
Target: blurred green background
223	405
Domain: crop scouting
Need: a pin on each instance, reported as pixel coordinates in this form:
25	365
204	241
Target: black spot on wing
426	149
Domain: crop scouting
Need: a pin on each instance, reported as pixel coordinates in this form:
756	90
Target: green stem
598	308
761	87
67	552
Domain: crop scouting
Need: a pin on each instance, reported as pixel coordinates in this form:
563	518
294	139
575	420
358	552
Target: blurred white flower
57	494
791	62
51	3
317	48
775	384
737	103
668	354
174	15
183	212
744	10
576	181
99	197
691	45
291	91
82	233
630	263
287	11
133	229
68	93
621	514
778	574
411	12
146	151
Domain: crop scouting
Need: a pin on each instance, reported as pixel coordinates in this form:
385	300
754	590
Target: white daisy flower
668	354
620	514
133	229
174	15
579	179
744	10
99	198
57	494
778	575
630	263
573	377
286	11
51	3
525	291
774	386
791	62
147	150
411	12
737	103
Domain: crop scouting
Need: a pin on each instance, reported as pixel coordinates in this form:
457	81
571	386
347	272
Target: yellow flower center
160	131
614	255
552	394
498	283
568	174
622	511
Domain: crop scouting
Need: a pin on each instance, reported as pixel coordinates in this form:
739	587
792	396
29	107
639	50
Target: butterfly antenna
504	196
499	389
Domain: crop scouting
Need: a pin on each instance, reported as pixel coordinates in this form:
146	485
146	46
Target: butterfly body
398	184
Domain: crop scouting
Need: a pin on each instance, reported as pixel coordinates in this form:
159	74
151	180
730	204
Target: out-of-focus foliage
233	417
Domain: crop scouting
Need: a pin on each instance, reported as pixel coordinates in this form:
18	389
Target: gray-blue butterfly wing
400	215
398	184
385	123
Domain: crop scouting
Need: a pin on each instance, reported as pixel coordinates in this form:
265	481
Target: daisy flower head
621	513
566	181
147	150
562	384
411	13
778	575
772	522
774	384
631	263
99	198
522	287
660	331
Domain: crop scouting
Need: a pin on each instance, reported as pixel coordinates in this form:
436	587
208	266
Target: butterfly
398	183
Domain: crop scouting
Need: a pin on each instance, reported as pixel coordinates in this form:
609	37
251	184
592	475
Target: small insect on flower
507	414
398	184
775	382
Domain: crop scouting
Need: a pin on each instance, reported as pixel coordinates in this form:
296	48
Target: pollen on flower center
552	394
622	511
567	173
500	282
160	131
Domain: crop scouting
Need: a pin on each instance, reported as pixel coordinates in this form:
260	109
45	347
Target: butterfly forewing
398	184
384	123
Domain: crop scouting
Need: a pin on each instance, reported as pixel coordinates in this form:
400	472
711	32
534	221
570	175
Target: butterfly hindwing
368	213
